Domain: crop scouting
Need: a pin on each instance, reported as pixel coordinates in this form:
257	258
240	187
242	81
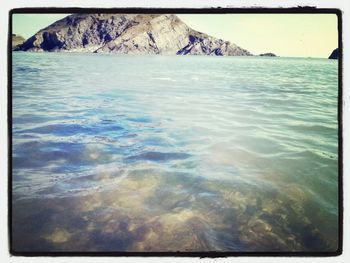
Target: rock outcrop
17	40
128	34
334	55
269	54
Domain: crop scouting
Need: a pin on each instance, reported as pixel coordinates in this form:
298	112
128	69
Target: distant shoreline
163	55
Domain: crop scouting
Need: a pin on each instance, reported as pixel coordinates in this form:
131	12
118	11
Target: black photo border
216	10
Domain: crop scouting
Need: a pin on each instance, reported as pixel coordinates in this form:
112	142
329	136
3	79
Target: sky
288	35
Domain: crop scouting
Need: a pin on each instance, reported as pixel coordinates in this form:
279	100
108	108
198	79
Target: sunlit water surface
166	153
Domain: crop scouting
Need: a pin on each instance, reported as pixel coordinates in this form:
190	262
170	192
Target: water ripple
124	154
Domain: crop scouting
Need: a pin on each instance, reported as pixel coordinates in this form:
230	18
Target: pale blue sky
294	35
28	24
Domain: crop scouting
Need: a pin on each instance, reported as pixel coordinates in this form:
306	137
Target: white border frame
4	12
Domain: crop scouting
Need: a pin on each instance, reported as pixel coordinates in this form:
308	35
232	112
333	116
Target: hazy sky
294	35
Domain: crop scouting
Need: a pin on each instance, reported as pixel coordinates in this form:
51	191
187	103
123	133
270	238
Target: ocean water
172	153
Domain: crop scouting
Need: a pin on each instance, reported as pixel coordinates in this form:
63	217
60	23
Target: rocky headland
128	34
17	40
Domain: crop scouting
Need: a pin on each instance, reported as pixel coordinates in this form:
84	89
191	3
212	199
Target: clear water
166	153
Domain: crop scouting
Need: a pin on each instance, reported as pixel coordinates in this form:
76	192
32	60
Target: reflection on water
174	153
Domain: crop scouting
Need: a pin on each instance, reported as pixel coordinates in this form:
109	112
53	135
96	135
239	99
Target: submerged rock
334	55
128	34
148	211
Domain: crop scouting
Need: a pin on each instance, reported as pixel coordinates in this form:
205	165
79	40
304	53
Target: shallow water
163	153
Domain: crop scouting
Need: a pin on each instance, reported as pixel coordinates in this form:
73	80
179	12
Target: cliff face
80	32
153	34
128	34
16	40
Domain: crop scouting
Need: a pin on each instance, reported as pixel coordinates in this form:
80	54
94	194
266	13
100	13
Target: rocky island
269	54
334	54
128	34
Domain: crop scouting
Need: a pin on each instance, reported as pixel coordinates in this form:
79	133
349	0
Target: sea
123	153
